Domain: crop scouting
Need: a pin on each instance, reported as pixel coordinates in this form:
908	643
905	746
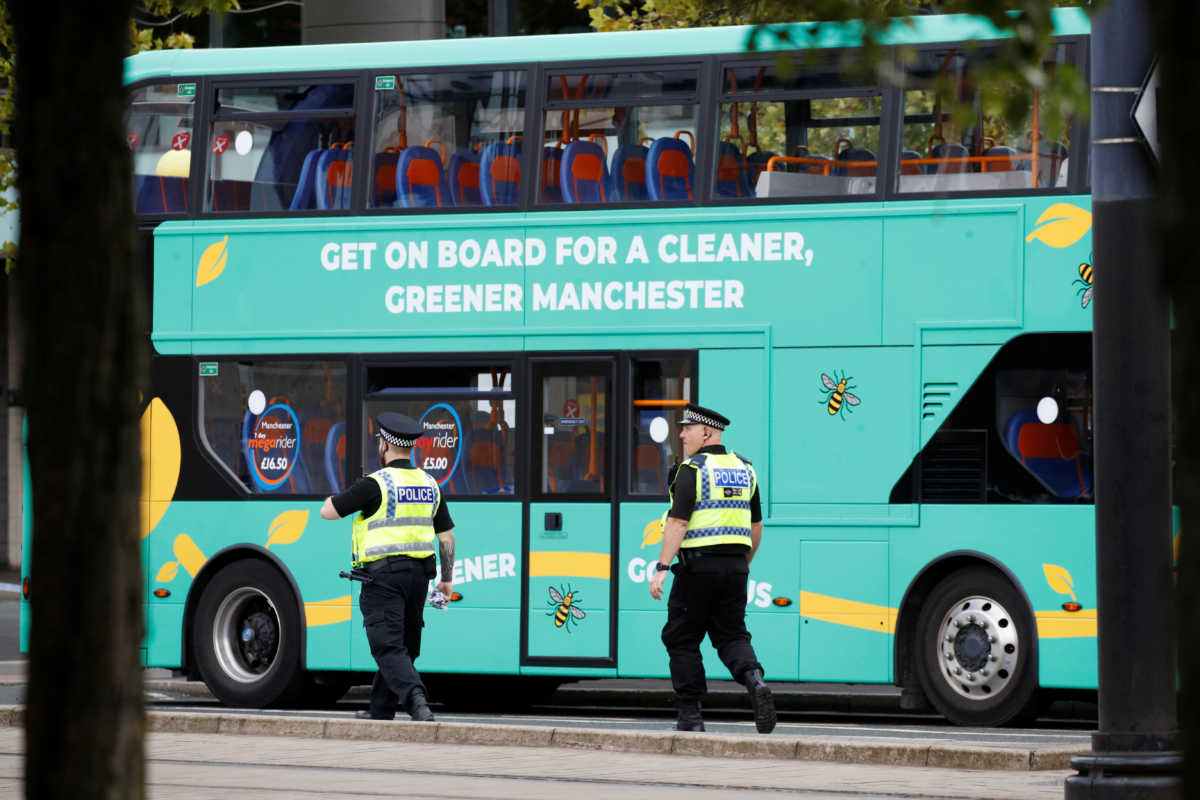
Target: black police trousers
393	606
708	595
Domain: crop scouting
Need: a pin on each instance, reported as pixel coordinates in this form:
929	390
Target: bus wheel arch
966	574
247	580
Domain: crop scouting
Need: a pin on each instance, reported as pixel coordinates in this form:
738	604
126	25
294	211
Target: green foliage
1015	70
144	37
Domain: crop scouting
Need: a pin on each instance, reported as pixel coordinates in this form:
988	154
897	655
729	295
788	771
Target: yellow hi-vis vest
403	523
725	482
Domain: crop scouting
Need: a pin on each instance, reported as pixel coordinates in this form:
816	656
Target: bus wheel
976	652
246	636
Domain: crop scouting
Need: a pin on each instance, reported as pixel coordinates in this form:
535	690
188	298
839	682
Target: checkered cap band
397	441
692	416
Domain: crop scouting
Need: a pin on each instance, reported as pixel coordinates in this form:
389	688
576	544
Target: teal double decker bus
541	248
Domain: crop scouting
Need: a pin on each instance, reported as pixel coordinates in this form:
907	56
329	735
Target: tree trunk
82	308
1179	64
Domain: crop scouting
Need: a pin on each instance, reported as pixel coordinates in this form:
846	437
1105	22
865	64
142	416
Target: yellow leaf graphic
652	533
212	263
189	554
167	572
1059	579
160	462
287	527
1061	225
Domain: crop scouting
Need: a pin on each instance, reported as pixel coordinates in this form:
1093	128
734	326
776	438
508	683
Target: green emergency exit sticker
208	368
185	89
385	83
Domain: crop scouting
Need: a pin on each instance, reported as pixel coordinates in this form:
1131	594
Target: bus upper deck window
271	152
807	132
959	133
158	130
447	140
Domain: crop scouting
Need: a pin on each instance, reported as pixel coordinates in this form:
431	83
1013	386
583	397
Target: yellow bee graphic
564	608
835	393
1085	283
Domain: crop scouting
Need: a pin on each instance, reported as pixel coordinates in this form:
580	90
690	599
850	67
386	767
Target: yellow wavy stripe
327	612
1066	624
570	565
847	612
1050	624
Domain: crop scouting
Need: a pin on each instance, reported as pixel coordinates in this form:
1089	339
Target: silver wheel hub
978	647
246	635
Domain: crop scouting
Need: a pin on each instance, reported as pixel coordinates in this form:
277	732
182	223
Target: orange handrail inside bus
983	161
656	403
824	163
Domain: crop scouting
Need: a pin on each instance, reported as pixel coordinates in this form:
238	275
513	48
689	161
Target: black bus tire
246	636
976	649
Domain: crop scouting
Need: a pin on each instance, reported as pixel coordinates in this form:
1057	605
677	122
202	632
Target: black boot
417	706
689	716
761	700
367	715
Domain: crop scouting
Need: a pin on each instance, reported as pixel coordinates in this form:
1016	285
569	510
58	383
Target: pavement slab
197	765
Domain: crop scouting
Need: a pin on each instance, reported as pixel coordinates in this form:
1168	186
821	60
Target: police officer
402	521
714	525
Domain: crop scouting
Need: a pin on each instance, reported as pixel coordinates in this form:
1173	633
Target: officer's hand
656	584
444	588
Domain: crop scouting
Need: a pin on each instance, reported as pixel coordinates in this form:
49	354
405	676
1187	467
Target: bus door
568	618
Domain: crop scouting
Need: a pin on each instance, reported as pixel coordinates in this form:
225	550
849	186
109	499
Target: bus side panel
844	618
640	651
827	449
971	253
175	265
734	381
1048	549
190	532
479	632
1056	296
26	532
775	627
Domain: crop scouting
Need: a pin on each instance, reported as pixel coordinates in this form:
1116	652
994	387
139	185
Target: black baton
356	575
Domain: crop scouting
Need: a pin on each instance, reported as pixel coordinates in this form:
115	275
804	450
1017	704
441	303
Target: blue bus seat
463	176
335	456
306	189
628	176
334	171
948	151
1000	166
856	170
756	164
552	161
419	179
486	466
731	172
230	195
383	193
584	173
1051	452
500	173
648	468
160	194
314	431
669	170
910	168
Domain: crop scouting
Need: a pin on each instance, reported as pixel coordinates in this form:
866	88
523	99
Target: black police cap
398	430
699	415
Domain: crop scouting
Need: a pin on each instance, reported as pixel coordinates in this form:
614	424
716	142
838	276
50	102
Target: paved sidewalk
196	765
